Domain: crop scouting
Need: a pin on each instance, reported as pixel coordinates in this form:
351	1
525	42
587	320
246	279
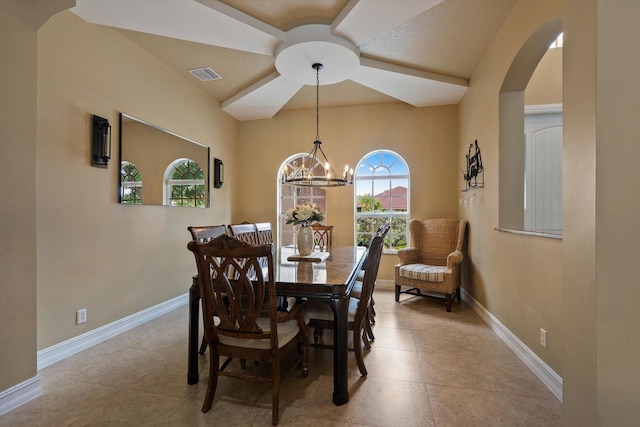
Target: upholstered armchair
432	263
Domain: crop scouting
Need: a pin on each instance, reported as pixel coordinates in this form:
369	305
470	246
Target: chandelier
303	176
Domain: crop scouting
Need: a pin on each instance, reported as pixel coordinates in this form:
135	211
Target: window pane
381	171
186	186
131	184
381	199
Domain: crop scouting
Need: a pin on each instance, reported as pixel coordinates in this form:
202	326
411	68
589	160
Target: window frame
170	182
390	215
125	184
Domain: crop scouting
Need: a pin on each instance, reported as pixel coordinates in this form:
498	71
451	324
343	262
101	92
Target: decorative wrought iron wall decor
474	175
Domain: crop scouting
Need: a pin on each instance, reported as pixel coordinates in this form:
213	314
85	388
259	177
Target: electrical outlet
81	316
543	337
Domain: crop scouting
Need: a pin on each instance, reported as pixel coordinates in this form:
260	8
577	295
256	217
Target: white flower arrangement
305	215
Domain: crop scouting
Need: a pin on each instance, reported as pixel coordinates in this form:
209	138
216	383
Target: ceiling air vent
205	74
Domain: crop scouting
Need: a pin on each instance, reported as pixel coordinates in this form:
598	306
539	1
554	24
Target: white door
543	172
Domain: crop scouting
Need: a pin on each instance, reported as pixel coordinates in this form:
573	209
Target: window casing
381	182
289	197
185	184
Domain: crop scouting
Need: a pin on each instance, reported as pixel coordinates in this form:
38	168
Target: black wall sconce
100	142
218	173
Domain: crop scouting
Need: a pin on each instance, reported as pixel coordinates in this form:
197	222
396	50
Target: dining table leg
194	314
341	350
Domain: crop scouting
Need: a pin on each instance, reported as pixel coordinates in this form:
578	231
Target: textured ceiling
450	38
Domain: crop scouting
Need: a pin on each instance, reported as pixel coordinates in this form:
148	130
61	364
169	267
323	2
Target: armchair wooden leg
448	301
397	293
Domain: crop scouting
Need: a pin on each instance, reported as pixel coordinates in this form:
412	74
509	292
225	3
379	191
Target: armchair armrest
408	256
454	258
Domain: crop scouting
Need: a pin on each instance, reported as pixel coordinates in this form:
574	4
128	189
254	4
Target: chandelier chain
304	176
317	103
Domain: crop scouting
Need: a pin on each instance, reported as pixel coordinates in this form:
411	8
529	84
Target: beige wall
545	85
579	198
424	137
617	210
517	278
113	260
17	202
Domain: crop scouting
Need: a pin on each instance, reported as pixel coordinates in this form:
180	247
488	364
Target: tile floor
427	367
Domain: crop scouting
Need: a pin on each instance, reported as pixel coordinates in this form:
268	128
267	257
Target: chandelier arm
335	175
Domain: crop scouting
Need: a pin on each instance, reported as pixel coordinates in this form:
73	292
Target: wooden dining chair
265	232
322	236
204	234
234	328
246	232
259	234
382	231
321	315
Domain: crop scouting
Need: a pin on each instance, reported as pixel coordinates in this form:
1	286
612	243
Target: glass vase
305	240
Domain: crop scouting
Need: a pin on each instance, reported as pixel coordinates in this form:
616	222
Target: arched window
382	196
131	184
289	197
185	184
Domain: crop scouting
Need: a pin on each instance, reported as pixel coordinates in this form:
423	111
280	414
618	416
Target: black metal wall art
474	175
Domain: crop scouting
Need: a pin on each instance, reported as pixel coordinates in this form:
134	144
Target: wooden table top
329	278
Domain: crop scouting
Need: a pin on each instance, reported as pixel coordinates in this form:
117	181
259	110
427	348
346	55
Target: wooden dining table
329	281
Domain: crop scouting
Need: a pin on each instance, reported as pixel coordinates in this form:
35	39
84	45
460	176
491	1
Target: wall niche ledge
531	233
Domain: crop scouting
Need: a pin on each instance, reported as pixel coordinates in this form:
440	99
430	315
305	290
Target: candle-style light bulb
326	166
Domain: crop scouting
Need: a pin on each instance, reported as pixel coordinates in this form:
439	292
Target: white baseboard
547	375
30	389
20	394
57	352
